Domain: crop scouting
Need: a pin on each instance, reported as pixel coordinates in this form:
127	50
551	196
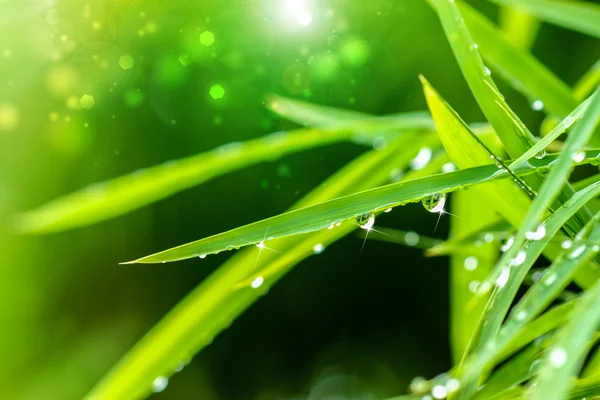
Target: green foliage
515	331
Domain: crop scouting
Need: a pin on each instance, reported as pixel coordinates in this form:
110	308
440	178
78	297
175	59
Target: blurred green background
91	90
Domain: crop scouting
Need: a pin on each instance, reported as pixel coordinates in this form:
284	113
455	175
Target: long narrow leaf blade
343	210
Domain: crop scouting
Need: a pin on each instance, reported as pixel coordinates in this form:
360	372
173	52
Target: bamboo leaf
343	210
242	280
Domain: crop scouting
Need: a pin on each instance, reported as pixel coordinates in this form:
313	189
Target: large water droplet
422	159
558	357
257	282
566	244
519	258
538	234
452	385
503	278
439	392
366	221
537	105
318	248
435	203
577	252
508	244
159	384
578	157
471	263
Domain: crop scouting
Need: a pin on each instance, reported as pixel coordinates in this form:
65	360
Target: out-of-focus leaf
580	16
115	197
520	28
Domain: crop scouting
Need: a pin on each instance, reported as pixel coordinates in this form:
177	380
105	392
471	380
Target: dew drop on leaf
159	384
435	203
366	221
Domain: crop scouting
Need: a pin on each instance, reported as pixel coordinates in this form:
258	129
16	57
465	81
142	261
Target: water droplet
448	167
411	238
421	159
260	245
439	392
257	282
379	143
550	279
366	221
558	357
578	157
508	244
519	258
484	288
471	263
488	237
503	278
418	385
435	203
396	174
487	71
577	252
331	226
541	154
202	256
318	248
159	384
537	105
473	286
452	385
538	234
521	315
566	244
387	210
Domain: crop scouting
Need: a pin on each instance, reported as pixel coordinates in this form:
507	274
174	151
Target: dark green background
344	321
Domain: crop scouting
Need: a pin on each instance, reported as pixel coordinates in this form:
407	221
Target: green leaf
500	303
514	135
571	343
468	267
308	114
217	301
588	82
517	66
520	28
580	16
119	196
343	210
542	292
